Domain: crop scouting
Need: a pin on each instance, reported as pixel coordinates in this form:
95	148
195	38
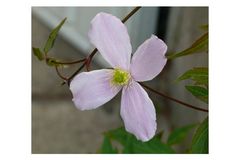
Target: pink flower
93	89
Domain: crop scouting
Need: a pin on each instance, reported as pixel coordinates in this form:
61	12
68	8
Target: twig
60	75
130	14
173	99
73	75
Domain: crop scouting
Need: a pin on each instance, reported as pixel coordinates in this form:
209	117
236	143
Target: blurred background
57	126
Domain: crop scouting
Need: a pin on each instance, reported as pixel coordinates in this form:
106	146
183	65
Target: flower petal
149	59
92	89
138	112
111	38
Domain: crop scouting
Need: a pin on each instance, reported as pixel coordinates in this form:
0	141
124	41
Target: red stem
173	99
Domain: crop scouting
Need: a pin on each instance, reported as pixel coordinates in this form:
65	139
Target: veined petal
111	38
138	112
92	89
149	59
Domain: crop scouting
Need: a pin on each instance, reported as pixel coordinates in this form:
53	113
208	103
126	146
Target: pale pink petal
92	89
138	112
149	59
110	37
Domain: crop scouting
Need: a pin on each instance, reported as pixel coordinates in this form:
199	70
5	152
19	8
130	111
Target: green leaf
132	145
179	134
52	36
200	139
199	75
37	52
107	146
199	92
119	135
153	146
198	46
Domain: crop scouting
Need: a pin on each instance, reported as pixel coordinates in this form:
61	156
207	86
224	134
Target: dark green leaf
200	139
119	135
128	145
51	39
198	46
153	146
37	52
199	92
179	134
107	146
199	75
132	145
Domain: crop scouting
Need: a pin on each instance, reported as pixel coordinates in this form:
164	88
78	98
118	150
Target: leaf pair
200	78
49	45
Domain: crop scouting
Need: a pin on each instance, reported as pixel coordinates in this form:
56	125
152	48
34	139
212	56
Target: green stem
72	62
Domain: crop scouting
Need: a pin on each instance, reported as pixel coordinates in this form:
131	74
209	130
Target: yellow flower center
120	77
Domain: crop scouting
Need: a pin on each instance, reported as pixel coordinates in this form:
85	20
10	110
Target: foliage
179	134
51	39
107	146
198	74
49	45
201	44
200	139
200	77
199	92
131	145
38	53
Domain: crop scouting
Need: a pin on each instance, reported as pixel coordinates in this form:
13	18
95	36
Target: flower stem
173	99
72	62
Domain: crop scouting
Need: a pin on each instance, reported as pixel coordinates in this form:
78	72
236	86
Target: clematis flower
93	89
